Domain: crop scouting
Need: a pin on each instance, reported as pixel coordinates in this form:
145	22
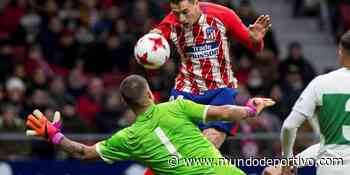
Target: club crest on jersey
210	32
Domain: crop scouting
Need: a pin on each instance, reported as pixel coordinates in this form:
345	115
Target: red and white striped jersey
204	48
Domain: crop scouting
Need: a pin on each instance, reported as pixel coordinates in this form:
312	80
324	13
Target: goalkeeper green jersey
167	139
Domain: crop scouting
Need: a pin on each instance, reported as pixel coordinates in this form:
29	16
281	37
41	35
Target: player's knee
272	171
215	136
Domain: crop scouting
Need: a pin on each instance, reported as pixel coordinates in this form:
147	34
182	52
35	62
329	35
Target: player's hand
258	30
40	126
259	104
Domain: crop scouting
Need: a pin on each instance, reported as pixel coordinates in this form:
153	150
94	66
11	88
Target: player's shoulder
212	8
166	107
125	131
329	76
176	105
327	80
172	103
216	10
119	136
170	18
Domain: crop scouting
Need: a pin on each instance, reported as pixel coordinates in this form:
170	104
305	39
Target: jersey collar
147	114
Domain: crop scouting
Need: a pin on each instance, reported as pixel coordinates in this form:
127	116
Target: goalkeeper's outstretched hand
40	126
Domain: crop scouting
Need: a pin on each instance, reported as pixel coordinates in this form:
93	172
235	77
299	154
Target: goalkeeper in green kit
163	137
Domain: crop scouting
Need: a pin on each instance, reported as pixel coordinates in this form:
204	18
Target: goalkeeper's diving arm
41	127
236	113
79	150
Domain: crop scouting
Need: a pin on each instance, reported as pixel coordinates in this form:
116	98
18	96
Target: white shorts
336	170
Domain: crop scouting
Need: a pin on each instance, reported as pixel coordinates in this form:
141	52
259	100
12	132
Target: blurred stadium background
70	55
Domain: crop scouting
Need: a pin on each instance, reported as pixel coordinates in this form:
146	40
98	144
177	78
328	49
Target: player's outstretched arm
237	113
78	150
40	126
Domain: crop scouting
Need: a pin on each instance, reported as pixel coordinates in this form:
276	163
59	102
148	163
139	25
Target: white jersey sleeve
309	99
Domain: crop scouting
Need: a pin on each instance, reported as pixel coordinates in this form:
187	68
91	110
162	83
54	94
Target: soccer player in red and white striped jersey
201	32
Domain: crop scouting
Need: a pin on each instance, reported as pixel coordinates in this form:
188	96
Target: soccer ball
152	51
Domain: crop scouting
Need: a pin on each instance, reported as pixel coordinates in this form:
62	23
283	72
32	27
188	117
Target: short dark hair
133	89
178	1
294	44
345	41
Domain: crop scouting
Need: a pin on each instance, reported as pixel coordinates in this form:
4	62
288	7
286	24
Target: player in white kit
327	100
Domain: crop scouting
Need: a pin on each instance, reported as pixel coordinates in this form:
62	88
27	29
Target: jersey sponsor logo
203	50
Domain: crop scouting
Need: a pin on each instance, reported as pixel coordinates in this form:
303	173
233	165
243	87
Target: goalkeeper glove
40	126
256	105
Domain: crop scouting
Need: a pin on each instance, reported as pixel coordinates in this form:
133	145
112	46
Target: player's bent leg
267	171
215	136
216	132
272	171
